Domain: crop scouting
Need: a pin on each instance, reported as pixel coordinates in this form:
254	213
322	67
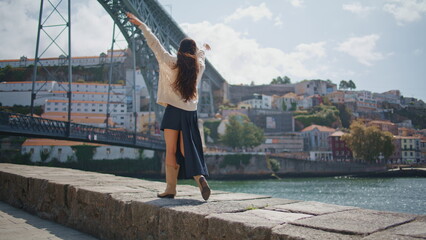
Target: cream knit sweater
166	94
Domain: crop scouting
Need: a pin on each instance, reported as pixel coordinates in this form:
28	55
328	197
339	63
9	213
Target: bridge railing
20	124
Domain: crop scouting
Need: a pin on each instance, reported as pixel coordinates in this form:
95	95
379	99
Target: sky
380	45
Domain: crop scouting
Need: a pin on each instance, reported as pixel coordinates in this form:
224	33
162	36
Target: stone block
252	224
412	230
358	221
311	207
235	196
288	231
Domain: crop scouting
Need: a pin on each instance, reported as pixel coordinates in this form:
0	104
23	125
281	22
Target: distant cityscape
271	107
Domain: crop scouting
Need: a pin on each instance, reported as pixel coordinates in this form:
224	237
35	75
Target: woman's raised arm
160	52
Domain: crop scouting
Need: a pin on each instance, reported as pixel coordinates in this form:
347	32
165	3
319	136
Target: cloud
242	60
278	21
296	3
356	8
418	51
362	48
405	11
256	13
91	29
18	18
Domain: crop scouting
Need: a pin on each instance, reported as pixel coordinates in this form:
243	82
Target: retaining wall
111	207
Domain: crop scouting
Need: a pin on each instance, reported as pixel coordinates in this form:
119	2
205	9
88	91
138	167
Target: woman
177	91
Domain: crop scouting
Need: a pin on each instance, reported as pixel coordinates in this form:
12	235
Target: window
59	151
121	150
108	151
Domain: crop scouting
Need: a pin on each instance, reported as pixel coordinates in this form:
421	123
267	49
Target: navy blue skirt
187	122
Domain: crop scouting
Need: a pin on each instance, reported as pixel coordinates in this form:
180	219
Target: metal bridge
23	125
170	35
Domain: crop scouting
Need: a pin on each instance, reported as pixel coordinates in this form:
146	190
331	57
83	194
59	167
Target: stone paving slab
251	224
18	224
412	230
358	221
311	207
288	231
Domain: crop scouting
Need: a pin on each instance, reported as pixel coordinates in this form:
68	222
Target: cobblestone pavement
16	224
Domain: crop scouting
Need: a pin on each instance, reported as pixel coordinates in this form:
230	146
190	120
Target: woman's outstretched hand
133	19
207	46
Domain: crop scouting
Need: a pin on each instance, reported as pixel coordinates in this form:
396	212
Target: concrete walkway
17	224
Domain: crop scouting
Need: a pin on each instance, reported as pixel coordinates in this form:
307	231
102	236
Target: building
423	150
396	156
92	119
238	93
117	56
385	126
288	142
47	150
392	96
365	102
326	156
259	101
316	137
337	97
272	121
410	149
313	87
19	93
340	151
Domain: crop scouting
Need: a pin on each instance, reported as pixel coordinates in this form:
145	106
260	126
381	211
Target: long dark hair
187	65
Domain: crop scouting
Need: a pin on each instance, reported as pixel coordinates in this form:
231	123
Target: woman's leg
171	138
199	179
172	168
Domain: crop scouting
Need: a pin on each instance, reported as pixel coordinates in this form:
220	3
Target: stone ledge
112	207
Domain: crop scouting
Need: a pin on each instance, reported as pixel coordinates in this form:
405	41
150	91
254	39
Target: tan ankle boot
204	186
171	181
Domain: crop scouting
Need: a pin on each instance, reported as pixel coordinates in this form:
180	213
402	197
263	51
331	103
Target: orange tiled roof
320	128
337	134
52	142
382	122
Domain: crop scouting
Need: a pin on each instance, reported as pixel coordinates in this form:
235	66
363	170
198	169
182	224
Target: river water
388	194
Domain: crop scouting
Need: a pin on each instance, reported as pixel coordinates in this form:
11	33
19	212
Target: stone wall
111	207
233	165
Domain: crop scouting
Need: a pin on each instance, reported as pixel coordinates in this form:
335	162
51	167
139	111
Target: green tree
343	85
233	133
252	135
240	132
284	106
368	143
281	80
293	106
351	85
345	114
